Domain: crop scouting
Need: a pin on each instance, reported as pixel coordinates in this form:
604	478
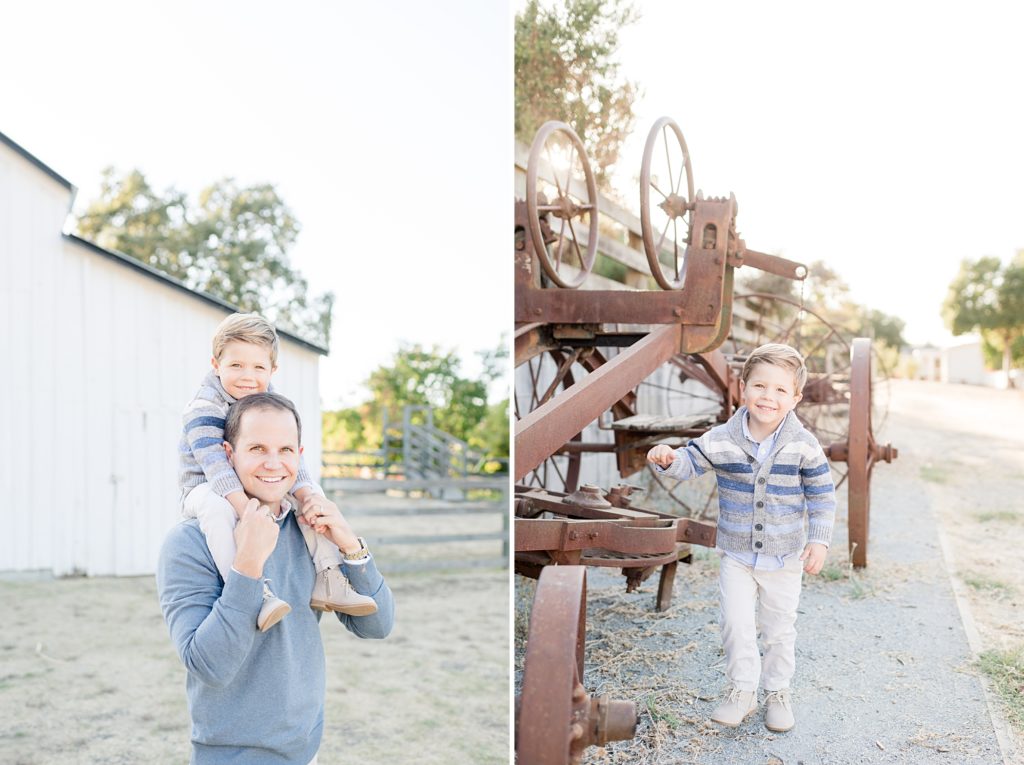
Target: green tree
988	297
417	376
565	69
233	244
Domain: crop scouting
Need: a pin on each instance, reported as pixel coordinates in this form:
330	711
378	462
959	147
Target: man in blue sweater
258	697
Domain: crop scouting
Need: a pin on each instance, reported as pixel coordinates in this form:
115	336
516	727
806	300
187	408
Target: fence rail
408	532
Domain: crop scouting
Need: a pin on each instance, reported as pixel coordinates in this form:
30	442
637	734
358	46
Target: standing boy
772	475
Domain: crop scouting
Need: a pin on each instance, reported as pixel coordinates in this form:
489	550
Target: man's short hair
246	328
259	402
779	355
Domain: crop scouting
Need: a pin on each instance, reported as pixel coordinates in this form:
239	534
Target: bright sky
884	138
386	128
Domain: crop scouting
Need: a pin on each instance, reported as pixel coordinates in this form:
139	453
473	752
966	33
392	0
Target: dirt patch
88	675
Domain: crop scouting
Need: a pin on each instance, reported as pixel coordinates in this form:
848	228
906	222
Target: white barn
100	353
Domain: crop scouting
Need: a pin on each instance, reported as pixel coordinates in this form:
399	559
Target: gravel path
884	669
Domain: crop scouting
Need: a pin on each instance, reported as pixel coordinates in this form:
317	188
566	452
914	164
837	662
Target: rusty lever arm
773	264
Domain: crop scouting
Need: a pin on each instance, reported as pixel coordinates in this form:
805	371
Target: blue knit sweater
762	506
254	697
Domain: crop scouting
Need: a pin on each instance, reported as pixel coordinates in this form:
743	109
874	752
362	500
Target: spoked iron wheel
555	718
760	318
666	203
538	379
561	185
862	449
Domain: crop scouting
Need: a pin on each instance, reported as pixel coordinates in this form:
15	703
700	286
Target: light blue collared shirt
757	560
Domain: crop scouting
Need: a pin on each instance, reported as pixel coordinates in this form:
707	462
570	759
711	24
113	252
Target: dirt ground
966	446
887	665
88	675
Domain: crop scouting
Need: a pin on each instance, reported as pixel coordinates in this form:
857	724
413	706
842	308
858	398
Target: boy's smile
769	394
244	368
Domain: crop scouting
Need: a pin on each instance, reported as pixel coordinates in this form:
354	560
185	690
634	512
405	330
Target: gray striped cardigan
762	505
201	449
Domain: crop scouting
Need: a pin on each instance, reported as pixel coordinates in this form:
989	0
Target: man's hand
813	557
255	539
325	517
662	455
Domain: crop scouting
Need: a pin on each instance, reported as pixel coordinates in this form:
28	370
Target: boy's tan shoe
332	592
272	611
778	711
735	708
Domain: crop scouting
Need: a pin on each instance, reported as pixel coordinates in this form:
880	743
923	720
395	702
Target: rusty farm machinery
642	366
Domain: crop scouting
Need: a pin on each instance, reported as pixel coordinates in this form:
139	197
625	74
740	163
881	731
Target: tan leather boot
272	611
735	708
778	711
332	592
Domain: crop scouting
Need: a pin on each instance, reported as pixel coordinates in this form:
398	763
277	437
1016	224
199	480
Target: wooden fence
423	524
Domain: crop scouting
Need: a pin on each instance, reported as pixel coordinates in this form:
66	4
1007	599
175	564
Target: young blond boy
245	348
772	475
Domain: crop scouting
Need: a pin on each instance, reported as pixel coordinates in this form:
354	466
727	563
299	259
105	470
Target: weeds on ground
933	473
661	715
984	584
1003	516
843	570
1005	669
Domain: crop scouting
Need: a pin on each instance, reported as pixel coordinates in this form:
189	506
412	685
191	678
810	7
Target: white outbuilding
99	353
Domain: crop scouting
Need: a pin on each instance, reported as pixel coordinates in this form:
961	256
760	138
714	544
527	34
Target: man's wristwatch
359	554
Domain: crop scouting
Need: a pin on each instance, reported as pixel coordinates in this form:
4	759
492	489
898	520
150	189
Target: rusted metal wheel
861	451
561	184
666	217
539	379
555	718
760	318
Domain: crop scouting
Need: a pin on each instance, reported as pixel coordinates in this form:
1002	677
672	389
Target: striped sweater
201	449
762	505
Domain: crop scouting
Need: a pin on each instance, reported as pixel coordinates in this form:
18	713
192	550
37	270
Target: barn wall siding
99	360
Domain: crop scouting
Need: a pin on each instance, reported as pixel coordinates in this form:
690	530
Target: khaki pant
774	595
217	522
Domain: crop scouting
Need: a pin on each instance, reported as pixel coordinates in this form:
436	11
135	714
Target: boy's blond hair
245	328
779	355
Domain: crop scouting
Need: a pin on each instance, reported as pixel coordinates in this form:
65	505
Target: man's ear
301	449
227	451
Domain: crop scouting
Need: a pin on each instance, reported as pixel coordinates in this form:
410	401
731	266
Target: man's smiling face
266	454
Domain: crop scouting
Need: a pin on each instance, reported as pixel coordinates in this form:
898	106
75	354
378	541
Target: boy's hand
325	517
813	557
239	502
255	539
662	455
